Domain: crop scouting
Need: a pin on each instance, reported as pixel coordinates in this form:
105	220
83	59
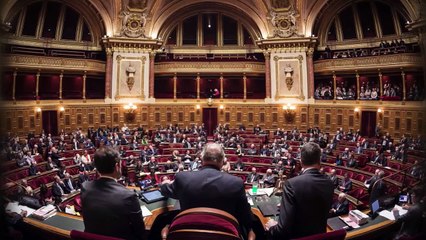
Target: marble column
151	74
268	73
310	65
108	74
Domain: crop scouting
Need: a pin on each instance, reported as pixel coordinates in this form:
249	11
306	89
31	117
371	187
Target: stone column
84	85
108	73
310	65
151	74
267	73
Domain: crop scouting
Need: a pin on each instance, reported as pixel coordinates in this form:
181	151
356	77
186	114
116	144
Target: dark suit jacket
252	177
213	189
56	190
305	206
378	190
111	209
341	209
334	180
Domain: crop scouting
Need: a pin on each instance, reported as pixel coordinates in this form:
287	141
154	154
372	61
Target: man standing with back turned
209	187
306	200
108	207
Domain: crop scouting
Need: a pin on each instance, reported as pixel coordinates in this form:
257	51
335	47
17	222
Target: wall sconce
356	110
130	112
198	107
37	111
61	111
380	112
221	107
289	112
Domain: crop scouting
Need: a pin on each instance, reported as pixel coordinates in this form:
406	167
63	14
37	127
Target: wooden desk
60	225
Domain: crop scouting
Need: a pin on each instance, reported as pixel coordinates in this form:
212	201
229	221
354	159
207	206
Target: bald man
340	207
209	187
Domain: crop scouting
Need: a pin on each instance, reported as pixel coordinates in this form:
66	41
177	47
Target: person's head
24	182
152	159
333	172
107	162
269	172
57	179
341	197
67	176
377	172
213	155
381	173
416	194
346	175
310	155
253	170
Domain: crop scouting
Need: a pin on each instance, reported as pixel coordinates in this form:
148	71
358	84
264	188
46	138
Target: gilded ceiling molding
299	44
45	62
224	67
396	61
118	44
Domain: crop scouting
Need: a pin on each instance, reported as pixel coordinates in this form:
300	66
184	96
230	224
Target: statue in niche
288	70
280	3
130	71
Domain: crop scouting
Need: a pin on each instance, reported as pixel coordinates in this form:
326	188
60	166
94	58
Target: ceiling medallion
133	25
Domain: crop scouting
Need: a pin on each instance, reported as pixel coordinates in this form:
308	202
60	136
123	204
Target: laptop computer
152	196
403	198
375	208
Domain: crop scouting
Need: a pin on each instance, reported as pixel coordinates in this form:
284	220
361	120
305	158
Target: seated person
252	150
195	165
339	161
170	166
351	162
58	189
346	184
24	189
226	165
340	207
50	164
413	222
253	176
269	179
239	152
239	165
68	182
279	167
333	177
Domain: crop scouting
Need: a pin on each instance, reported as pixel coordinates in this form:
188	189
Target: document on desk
389	214
145	211
15	207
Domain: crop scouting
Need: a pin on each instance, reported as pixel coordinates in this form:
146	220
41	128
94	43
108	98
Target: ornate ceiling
272	18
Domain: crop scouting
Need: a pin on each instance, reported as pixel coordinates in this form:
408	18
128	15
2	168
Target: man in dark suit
346	184
253	176
108	207
378	188
306	200
215	189
58	189
334	179
340	207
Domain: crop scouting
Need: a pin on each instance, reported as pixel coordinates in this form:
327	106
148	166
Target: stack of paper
390	215
44	213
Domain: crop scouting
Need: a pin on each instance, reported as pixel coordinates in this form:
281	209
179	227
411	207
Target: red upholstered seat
77	235
334	235
202	223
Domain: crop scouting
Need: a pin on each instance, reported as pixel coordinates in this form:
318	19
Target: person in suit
69	186
108	208
334	179
413	223
269	179
253	176
369	182
82	178
239	165
306	200
340	207
58	189
378	188
215	189
346	183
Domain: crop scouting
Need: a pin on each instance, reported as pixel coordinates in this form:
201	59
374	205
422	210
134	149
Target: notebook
268	208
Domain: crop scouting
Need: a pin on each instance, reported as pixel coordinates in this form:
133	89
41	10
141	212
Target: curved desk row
60	225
